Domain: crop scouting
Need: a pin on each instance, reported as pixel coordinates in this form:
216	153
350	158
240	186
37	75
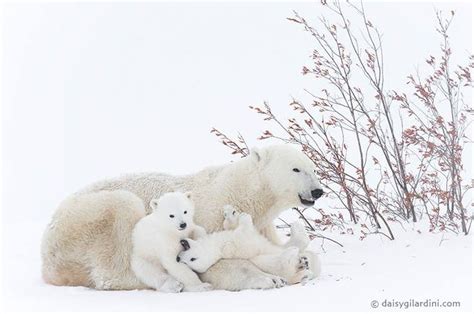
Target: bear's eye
185	212
296	170
171	216
193	259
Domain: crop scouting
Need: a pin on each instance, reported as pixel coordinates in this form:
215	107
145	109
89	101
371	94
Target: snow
415	266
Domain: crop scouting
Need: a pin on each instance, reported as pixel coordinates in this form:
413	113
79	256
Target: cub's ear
154	203
188	195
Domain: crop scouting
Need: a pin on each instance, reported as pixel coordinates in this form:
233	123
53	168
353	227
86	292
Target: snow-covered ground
414	267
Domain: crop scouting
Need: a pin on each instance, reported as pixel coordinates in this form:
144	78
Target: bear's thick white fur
88	241
156	243
245	242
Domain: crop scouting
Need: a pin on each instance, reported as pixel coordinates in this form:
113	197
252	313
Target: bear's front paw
199	288
171	285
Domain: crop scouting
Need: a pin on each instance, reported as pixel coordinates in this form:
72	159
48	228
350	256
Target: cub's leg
185	275
299	237
284	264
154	276
240	274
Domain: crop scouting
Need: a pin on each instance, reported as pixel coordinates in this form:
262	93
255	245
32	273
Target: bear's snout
317	193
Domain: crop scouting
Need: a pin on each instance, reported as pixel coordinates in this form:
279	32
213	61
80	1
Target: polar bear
156	243
245	242
101	217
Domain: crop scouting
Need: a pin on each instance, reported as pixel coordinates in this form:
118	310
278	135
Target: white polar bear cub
242	240
156	243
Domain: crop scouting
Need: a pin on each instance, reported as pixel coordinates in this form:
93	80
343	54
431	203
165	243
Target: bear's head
175	209
197	256
289	173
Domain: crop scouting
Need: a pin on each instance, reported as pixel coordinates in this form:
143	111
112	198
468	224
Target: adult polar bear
88	241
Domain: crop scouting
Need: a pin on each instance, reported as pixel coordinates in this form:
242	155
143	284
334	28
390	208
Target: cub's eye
185	212
193	259
296	170
171	216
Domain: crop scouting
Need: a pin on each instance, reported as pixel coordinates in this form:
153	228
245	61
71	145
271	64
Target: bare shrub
379	170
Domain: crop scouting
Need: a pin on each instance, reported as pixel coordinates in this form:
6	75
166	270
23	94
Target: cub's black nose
178	259
185	244
182	225
317	193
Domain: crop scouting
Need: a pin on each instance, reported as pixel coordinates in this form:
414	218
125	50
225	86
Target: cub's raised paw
297	228
199	288
230	211
299	237
303	262
171	285
231	217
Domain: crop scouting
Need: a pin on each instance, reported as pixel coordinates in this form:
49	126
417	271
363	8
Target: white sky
95	90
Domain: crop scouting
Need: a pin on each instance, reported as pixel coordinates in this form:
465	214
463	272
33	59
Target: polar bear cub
240	239
156	243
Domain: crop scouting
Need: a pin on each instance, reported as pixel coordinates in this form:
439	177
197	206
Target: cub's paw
297	228
230	212
302	276
303	262
279	281
171	285
199	288
231	217
299	237
268	282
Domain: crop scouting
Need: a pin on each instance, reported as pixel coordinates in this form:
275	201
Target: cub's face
290	174
175	210
196	256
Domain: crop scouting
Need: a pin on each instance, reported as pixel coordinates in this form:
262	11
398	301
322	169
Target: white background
96	90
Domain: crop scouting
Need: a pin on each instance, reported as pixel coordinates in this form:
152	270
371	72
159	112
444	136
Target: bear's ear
188	195
256	154
154	204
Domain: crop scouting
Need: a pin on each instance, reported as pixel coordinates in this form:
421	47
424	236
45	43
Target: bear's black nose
178	259
182	225
185	244
317	193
